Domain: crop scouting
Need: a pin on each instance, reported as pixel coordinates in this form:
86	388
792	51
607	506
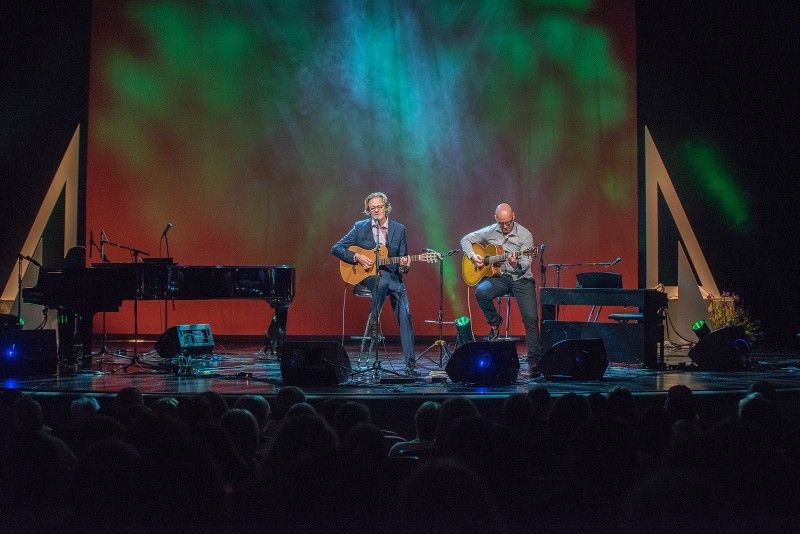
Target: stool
508	297
360	290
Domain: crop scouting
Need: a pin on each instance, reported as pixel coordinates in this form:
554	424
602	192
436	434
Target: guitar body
472	274
354	274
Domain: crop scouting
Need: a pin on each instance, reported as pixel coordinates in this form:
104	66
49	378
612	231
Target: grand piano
78	292
636	338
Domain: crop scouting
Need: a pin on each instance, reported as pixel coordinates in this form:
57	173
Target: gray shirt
517	240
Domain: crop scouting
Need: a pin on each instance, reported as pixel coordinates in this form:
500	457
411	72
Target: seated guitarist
390	277
515	275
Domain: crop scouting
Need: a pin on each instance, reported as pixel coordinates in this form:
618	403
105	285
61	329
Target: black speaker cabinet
192	339
625	342
484	363
314	363
581	359
28	352
726	349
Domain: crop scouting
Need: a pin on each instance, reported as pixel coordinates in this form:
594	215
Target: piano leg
276	332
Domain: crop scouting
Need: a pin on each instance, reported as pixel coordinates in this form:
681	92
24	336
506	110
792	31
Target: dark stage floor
239	367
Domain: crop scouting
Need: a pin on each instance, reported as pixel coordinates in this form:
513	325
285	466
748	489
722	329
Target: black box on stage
624	342
185	339
484	363
581	359
28	352
314	363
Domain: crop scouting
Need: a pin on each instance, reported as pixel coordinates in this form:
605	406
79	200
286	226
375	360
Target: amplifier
185	339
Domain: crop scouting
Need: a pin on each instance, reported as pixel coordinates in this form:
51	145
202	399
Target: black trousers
524	290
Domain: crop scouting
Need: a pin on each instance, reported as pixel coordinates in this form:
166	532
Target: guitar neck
396	259
496	259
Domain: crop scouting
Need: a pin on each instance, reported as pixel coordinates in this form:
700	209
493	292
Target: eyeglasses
376	208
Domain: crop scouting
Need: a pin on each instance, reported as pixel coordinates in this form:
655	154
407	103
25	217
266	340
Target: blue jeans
389	284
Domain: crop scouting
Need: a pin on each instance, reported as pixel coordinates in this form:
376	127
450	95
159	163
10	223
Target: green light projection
706	165
264	116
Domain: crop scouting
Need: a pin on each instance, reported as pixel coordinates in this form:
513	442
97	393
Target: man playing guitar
514	275
389	279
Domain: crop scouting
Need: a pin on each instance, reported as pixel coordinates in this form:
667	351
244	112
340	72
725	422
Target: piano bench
625	317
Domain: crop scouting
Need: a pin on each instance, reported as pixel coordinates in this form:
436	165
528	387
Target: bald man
516	276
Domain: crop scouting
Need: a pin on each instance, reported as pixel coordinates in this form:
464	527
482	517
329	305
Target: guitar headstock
530	251
430	257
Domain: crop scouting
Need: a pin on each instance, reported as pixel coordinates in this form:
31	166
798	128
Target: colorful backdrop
257	129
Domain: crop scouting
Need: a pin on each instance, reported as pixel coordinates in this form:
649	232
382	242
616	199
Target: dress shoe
494	333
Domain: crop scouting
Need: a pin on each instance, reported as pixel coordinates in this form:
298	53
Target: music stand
439	342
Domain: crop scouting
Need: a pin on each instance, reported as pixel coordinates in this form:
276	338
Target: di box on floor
28	352
314	363
580	359
484	363
185	339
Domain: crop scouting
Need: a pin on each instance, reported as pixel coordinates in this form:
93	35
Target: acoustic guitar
353	274
493	256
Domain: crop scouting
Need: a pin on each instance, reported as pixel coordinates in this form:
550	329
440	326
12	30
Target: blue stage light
10	351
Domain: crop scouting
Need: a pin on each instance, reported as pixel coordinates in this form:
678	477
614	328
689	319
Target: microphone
166	230
541	251
33	261
616	261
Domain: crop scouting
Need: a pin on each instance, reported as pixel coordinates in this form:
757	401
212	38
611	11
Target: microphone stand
165	237
440	342
103	259
135	253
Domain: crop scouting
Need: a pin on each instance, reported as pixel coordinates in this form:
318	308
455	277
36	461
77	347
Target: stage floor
241	367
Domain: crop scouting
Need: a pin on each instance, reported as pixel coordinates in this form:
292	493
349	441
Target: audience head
453	409
256	405
679	403
243	429
218	404
166	406
127	397
28	415
82	409
540	402
349	415
621	404
517	411
425	420
286	397
301	408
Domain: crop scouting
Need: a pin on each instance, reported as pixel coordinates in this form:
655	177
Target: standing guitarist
392	234
514	275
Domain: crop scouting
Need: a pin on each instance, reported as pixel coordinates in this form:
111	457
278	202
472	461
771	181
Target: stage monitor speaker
192	339
28	352
581	359
726	349
484	363
314	363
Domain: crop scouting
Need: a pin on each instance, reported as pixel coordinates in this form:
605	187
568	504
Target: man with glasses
392	234
516	277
